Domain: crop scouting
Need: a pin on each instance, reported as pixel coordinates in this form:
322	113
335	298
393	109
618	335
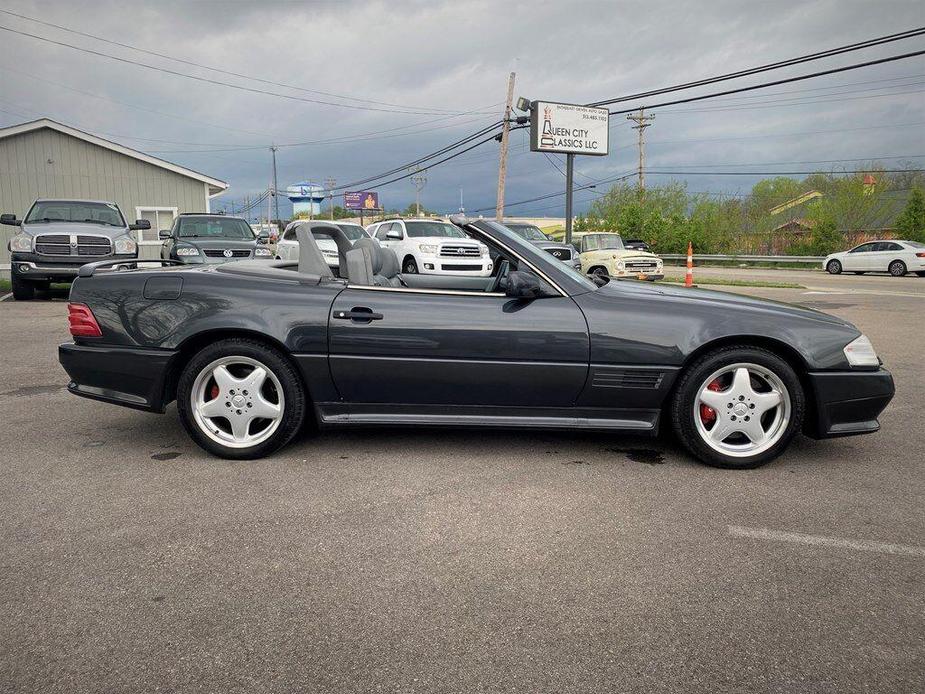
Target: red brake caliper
214	392
707	413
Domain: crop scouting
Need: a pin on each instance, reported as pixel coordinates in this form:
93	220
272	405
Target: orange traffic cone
689	279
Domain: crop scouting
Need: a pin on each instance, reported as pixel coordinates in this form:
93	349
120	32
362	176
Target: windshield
215	228
528	231
417	230
352	231
517	242
76	211
602	242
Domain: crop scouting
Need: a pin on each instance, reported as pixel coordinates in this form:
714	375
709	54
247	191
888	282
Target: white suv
433	246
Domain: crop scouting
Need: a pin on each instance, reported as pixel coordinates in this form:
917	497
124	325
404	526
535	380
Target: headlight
187	251
125	245
620	265
21	243
484	250
427	248
860	352
262	253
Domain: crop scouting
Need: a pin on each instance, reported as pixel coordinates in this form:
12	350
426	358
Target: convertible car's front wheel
240	399
738	407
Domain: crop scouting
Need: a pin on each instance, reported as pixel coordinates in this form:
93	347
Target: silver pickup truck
58	236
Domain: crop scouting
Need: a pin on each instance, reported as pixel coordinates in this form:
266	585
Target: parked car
895	257
250	349
605	255
56	237
196	239
532	233
288	246
433	246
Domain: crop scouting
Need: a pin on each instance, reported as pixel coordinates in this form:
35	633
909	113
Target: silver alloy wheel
230	395
897	268
748	421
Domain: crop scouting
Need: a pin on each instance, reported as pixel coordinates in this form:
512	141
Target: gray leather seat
383	269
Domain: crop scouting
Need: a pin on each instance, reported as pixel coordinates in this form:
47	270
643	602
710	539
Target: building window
160	218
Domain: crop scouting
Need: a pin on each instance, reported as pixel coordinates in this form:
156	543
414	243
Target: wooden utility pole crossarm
505	134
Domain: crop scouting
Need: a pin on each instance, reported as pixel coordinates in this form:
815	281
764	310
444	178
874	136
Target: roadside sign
361	200
569	129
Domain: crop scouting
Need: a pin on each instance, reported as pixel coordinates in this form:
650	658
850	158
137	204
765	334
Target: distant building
46	159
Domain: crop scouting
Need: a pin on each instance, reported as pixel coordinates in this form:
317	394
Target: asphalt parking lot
464	561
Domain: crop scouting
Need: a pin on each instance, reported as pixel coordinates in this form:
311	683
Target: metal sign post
568	129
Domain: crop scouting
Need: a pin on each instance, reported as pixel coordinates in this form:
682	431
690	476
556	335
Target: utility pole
275	186
462	210
642	122
419	179
505	135
569	180
330	183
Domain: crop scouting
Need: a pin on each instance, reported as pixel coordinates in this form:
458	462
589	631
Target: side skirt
335	414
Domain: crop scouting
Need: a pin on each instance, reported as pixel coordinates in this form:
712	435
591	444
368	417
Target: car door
427	347
886	253
859	258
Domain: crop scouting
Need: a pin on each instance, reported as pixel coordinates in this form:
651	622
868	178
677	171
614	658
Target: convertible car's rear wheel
240	399
738	407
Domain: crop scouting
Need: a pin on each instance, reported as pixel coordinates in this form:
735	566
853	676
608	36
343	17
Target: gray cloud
456	55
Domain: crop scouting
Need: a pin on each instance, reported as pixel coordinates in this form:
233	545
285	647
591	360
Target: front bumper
38	268
848	403
469	267
127	376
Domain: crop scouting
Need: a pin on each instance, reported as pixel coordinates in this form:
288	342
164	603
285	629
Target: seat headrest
375	253
390	264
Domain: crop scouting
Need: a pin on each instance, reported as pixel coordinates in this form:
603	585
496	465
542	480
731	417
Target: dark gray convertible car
250	350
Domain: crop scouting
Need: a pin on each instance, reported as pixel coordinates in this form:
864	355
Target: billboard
569	129
361	200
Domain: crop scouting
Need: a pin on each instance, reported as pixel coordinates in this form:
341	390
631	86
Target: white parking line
841	543
871	292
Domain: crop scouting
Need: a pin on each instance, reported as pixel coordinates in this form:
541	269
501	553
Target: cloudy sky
402	79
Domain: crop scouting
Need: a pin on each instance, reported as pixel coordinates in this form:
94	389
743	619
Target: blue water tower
306	197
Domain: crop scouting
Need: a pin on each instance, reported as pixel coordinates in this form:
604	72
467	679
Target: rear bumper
849	403
126	376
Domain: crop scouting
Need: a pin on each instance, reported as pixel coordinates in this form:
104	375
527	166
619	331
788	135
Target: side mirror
163	234
263	239
523	285
140	224
393	234
10	219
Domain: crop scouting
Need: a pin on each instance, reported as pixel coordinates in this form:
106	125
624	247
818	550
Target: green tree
911	222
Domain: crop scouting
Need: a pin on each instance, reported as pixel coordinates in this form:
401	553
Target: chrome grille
72	244
640	265
459	251
219	253
560	253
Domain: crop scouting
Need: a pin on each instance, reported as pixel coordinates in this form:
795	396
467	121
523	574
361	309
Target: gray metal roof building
46	159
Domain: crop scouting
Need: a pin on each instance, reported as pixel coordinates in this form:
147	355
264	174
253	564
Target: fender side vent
627	378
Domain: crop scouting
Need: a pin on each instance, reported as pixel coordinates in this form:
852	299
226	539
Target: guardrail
807	259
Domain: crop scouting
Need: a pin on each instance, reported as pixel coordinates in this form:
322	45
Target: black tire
898	268
23	290
410	266
273	360
599	271
833	267
685	399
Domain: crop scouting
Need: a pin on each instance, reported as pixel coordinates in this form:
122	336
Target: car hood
220	244
552	244
622	290
628	254
73	228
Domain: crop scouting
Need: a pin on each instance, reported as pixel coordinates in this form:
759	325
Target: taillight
82	321
920	255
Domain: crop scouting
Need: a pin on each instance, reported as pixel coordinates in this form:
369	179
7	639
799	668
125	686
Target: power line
911	33
787	80
787	102
778	173
230	85
207	67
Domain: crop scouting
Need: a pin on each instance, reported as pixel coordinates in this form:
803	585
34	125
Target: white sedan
895	257
288	246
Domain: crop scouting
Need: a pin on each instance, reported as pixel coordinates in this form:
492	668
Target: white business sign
569	128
